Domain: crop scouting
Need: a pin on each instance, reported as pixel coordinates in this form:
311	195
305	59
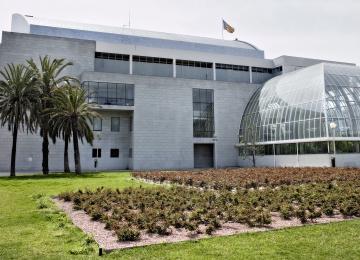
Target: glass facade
203	112
106	93
301	104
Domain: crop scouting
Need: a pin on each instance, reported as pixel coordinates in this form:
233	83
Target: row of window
231	67
112	56
115	124
147	59
187	63
307	148
190	63
114	153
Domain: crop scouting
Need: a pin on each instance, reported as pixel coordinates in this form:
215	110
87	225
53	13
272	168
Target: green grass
29	232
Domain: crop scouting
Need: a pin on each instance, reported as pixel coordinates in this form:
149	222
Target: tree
19	103
70	115
248	143
48	76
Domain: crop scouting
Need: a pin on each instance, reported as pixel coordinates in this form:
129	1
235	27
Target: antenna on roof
129	18
129	21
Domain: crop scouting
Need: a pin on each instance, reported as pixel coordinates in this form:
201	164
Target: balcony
111	94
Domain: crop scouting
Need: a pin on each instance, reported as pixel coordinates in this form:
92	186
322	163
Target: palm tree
71	114
48	76
59	129
19	103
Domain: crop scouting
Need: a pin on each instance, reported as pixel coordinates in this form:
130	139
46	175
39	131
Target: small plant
210	229
328	210
302	214
126	233
286	211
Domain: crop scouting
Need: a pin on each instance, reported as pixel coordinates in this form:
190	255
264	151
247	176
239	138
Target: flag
228	27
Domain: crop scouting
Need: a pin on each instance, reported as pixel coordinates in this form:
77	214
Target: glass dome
300	105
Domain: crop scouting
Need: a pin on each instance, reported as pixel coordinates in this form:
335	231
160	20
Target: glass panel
203	112
115	124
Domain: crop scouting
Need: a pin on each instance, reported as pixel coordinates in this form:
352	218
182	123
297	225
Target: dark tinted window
114	153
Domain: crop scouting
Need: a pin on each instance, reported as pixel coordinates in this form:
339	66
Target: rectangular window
97	124
114	153
111	56
152	66
194	69
96	153
313	148
115	124
106	93
130	152
203	112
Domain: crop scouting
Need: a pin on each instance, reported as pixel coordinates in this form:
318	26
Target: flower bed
251	177
131	213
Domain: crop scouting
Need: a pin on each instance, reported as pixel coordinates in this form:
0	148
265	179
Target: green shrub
286	211
210	229
301	214
126	233
328	210
350	208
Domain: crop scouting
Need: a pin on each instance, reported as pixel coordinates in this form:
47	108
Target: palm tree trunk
45	151
76	149
13	150
66	155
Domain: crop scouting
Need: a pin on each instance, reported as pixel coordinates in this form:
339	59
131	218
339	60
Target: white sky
326	29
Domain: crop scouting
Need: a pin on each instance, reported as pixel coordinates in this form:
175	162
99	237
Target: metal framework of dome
299	106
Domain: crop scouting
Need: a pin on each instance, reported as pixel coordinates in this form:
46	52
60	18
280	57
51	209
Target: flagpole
222	28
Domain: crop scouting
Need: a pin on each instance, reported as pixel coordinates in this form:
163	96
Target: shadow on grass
59	175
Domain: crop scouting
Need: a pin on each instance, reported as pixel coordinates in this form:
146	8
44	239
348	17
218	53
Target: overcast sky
326	29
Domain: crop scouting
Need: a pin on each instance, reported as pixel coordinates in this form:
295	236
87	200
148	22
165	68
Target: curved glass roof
300	105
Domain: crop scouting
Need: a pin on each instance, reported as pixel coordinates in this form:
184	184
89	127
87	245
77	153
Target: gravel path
108	240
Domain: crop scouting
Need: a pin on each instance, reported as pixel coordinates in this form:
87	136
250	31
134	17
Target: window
130	124
194	69
96	153
97	124
261	70
198	64
130	152
152	60
115	124
345	147
107	93
313	148
203	112
152	66
231	67
114	153
285	149
111	56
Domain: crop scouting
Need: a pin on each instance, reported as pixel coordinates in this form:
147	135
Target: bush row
159	210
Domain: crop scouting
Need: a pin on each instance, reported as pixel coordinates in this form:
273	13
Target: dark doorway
203	155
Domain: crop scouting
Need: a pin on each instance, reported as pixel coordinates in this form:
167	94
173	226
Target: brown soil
250	177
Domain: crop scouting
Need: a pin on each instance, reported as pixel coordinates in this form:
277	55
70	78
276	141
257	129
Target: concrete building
166	101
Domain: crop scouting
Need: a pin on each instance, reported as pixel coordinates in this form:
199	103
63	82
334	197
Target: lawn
29	232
